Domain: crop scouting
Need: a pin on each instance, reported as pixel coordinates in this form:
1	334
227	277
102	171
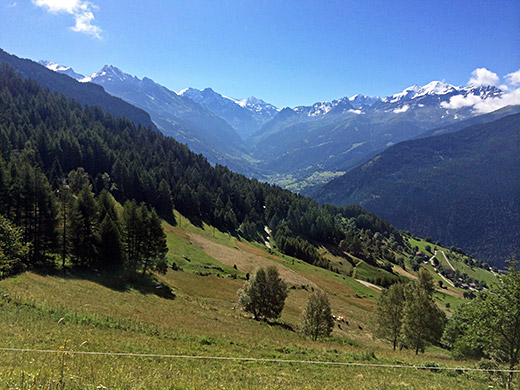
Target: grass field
199	316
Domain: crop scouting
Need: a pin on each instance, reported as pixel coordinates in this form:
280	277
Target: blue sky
286	52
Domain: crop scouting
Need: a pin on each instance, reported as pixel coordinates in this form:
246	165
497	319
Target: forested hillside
84	93
459	188
53	137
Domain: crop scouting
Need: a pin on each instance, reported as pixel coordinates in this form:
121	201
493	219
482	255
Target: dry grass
246	262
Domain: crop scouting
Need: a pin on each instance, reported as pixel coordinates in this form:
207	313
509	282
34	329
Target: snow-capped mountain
361	101
246	115
438	91
415	91
176	115
258	106
337	135
61	69
109	73
326	136
354	105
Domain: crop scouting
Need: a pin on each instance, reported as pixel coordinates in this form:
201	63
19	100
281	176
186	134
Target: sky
285	52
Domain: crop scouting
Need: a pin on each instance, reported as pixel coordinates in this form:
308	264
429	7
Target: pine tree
133	232
110	245
165	202
65	199
155	248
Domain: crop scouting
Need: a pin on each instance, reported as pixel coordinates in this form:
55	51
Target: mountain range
260	140
328	138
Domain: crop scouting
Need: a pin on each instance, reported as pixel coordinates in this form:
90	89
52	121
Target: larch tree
390	312
423	321
317	319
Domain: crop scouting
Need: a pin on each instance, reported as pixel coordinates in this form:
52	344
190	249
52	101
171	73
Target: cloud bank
482	77
81	10
514	78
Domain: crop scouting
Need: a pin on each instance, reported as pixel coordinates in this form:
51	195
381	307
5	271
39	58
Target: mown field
195	313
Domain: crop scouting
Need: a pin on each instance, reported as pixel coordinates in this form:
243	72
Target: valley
127	260
312	149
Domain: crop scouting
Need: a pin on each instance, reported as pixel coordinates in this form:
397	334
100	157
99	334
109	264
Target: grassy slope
82	312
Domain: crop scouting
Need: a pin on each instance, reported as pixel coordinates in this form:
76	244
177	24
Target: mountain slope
338	135
83	93
179	117
246	115
61	69
149	167
477	120
460	188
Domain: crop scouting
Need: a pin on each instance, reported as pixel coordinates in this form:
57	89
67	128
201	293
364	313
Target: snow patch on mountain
415	91
484	102
358	112
254	104
108	73
402	109
61	69
361	101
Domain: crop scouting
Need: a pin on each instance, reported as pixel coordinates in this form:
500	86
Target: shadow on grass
281	325
117	280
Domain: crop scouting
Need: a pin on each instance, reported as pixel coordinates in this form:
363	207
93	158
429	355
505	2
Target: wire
251	359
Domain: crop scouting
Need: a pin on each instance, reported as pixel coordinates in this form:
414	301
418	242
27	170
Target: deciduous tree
264	294
317	320
423	321
490	324
390	312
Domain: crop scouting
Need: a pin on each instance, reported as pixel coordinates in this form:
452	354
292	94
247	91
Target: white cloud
482	76
514	78
81	10
483	106
459	101
493	104
402	109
